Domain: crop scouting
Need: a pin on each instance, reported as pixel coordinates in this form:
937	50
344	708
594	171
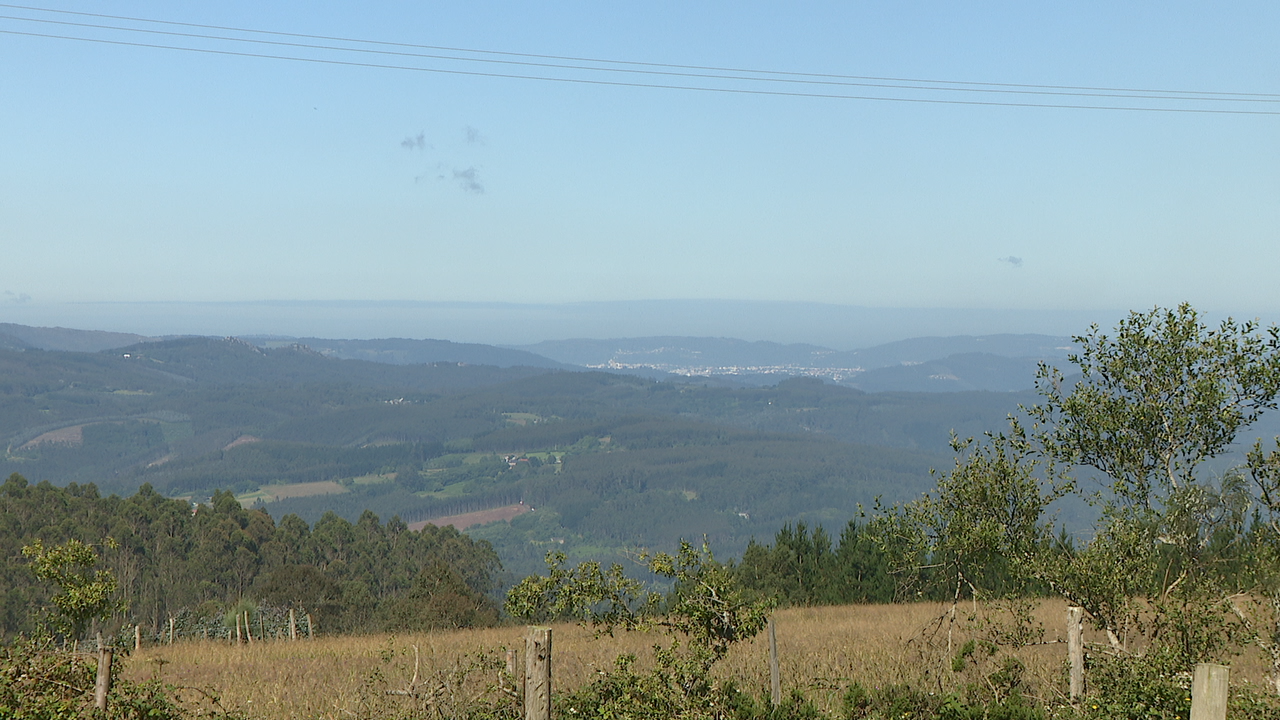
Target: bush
1128	687
39	681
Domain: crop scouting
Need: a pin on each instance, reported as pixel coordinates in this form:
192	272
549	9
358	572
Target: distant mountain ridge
404	351
670	351
1002	362
17	337
390	351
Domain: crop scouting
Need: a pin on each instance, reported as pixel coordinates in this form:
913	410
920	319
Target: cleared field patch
73	436
272	493
242	440
463	521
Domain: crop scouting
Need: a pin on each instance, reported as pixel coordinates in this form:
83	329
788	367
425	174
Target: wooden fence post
1209	692
171	623
537	674
293	625
102	687
137	638
238	638
310	631
775	673
1075	650
248	632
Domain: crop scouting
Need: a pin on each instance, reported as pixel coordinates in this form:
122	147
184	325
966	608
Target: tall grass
821	651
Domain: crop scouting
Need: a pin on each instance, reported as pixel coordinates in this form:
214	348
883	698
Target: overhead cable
771	79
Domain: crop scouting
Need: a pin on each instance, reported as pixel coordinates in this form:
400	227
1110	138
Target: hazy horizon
834	326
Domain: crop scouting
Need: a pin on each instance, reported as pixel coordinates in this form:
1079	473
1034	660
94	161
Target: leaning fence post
1075	650
775	673
102	687
293	625
1209	692
537	673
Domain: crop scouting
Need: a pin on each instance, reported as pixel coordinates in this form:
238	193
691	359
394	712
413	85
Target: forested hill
609	461
402	351
201	566
230	361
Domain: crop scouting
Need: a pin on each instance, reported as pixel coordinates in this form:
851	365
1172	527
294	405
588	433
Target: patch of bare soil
73	435
471	519
242	440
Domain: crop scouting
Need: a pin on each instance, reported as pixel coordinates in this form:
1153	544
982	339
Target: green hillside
639	461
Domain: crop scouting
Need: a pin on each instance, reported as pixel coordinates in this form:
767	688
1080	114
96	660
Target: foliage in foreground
1183	568
42	681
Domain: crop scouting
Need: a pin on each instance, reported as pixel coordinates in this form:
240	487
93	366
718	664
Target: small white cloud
16	298
1013	260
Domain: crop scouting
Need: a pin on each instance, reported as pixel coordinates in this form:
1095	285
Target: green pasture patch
454	490
272	493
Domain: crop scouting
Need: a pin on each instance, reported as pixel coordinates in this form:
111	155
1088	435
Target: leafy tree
441	599
980	533
85	593
1153	403
706	614
1174	551
1157	399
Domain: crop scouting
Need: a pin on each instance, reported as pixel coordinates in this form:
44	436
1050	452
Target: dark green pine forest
201	566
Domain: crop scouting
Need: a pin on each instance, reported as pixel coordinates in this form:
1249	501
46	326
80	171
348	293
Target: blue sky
131	174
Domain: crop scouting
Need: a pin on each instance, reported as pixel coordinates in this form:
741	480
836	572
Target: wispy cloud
469	180
473	136
1013	260
16	298
415	142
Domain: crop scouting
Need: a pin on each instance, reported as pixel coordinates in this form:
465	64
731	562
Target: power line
699	76
1207	93
587	81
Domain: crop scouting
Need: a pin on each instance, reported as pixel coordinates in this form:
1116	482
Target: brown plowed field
466	520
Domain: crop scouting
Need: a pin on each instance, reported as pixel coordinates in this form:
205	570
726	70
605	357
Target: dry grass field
822	650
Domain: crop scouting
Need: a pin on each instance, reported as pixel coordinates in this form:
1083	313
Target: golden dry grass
821	651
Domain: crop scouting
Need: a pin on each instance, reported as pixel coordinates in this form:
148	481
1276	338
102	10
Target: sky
139	177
